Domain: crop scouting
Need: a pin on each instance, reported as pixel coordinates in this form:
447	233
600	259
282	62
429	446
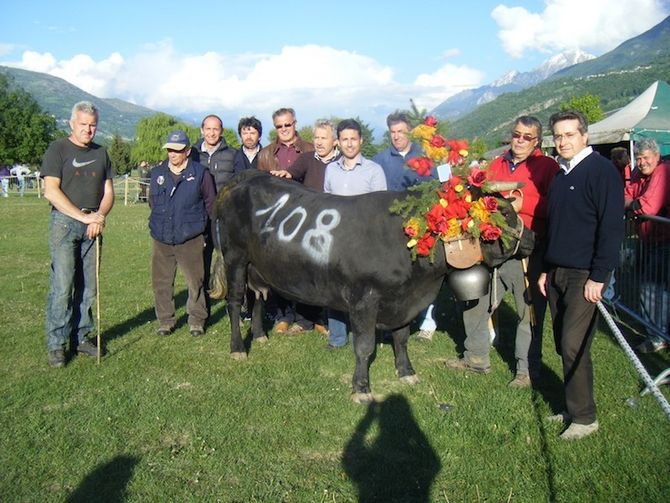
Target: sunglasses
284	126
516	135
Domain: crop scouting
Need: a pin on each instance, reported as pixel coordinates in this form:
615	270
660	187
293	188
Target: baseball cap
177	140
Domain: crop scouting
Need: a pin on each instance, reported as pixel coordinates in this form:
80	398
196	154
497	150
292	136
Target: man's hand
281	173
593	291
542	283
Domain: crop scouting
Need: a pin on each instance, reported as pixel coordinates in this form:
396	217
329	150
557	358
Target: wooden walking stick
524	265
97	290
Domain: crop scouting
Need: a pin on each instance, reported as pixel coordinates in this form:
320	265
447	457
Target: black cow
347	253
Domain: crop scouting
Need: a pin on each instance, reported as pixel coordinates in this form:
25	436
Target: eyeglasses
516	135
284	126
565	136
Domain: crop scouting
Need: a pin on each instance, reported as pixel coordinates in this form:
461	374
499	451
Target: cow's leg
403	366
362	321
237	285
257	320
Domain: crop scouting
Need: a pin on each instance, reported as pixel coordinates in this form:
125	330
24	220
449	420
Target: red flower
477	177
422	165
438	141
490	203
489	232
430	121
425	244
437	219
457	209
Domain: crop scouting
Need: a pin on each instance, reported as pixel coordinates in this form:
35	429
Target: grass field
175	419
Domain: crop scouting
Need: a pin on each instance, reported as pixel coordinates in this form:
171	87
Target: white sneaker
561	417
426	335
576	431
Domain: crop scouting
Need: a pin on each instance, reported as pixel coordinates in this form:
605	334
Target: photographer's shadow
391	460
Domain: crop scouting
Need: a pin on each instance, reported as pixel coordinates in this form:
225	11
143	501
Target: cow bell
471	283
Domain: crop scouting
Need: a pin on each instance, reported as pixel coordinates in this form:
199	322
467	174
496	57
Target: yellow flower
411	243
443	202
454	228
423	132
463	153
468	198
459	188
478	211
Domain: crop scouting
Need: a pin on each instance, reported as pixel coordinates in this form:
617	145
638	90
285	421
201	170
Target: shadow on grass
107	483
391	460
544	448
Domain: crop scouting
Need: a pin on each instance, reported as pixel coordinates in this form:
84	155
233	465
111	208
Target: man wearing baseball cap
181	197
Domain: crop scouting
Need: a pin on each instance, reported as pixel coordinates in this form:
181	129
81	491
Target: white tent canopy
648	115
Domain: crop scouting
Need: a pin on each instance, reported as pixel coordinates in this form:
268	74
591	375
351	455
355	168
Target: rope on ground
651	385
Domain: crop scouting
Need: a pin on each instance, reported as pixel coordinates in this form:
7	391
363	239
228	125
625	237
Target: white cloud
6	49
594	25
448	80
319	81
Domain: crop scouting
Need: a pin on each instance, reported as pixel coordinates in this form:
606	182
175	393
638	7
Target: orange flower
425	244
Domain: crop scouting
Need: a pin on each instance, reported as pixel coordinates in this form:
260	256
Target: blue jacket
398	176
178	211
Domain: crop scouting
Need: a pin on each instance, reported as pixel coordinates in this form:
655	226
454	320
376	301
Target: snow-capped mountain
466	101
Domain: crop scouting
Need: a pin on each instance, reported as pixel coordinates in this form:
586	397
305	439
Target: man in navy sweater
584	234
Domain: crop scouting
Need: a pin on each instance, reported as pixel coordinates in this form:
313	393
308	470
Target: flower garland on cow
461	210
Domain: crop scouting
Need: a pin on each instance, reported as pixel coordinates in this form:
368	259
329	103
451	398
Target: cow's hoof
262	339
362	398
240	355
410	379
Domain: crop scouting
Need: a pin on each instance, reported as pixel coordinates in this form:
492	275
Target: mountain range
466	101
485	113
56	96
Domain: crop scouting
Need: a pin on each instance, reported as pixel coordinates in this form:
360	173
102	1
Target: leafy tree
477	148
119	154
25	129
151	133
587	104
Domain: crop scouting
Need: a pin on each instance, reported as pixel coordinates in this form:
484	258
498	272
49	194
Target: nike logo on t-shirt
81	164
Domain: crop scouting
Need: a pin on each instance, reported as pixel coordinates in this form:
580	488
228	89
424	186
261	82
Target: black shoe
163	331
56	358
88	348
196	330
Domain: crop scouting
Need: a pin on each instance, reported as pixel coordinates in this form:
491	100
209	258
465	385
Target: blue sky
342	58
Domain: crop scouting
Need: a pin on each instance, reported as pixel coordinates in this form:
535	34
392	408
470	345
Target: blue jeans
72	287
337	328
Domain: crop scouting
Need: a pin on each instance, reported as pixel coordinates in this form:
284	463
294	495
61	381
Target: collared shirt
251	153
205	147
365	176
568	166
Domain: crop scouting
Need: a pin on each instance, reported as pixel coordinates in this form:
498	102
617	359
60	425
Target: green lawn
176	419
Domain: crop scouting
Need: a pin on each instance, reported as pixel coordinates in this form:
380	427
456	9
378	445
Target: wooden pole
97	290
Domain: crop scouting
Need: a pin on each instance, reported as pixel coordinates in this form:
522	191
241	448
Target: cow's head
522	239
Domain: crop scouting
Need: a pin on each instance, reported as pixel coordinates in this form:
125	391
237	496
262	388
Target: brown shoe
320	329
281	327
462	364
520	381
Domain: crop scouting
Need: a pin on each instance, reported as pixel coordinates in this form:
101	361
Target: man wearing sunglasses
280	155
523	162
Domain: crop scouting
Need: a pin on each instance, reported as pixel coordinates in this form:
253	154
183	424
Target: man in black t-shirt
78	183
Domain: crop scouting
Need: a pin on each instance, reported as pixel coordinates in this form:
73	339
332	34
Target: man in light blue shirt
350	175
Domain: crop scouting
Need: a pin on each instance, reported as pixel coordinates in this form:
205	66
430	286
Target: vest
178	210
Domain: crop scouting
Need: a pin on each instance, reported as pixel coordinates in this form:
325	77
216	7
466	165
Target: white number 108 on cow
316	242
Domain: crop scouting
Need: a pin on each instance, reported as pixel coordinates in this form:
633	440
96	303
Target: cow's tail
218	284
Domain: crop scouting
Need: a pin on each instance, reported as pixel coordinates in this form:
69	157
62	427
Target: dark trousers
164	261
574	321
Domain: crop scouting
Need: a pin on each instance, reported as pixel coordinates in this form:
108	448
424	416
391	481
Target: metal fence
641	285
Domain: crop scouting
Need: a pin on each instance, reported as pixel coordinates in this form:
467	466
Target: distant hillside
466	101
56	96
616	77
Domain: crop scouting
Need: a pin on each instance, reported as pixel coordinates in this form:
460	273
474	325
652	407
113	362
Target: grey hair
325	124
646	144
529	121
283	111
84	107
